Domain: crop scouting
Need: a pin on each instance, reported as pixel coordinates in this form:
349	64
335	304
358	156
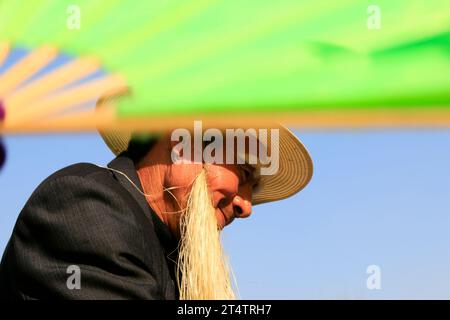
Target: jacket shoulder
82	169
78	176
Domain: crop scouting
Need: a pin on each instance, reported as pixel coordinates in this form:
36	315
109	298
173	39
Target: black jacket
94	219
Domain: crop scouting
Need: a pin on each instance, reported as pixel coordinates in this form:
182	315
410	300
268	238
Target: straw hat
294	172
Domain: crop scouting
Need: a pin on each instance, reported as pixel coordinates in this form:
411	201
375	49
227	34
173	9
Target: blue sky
378	197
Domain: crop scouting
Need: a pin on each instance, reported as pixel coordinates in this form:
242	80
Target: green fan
319	63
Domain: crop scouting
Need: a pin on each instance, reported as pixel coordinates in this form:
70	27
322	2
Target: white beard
202	266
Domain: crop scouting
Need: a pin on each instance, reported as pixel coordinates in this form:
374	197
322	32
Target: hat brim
294	172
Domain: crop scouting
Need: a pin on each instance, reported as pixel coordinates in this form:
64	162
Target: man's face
230	186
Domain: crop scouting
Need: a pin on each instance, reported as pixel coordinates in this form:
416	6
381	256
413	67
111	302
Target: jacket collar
125	164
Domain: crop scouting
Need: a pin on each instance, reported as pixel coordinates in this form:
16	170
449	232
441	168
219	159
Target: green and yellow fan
156	63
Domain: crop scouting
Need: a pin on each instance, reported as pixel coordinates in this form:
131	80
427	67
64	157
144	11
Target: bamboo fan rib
55	92
107	120
55	80
32	63
4	50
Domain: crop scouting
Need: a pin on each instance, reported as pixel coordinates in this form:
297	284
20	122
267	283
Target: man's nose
242	208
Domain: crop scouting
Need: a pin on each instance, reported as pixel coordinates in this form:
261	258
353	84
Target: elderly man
142	228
